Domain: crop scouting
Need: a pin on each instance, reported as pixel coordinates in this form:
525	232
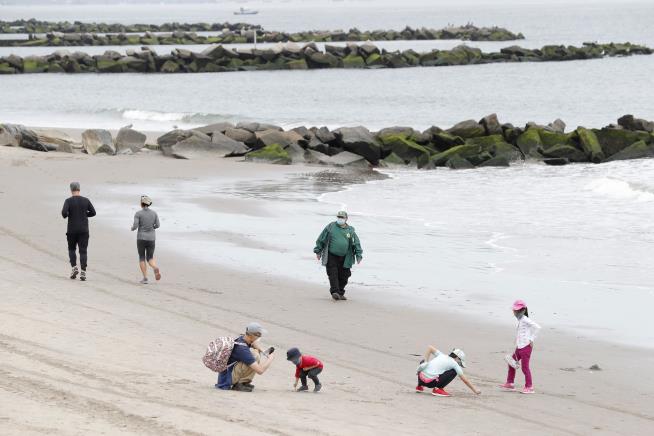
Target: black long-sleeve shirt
78	209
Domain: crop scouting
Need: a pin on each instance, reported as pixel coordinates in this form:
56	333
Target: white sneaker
512	362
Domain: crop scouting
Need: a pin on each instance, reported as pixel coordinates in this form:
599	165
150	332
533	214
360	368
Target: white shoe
512	362
144	281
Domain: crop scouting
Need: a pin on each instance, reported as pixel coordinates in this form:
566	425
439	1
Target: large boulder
347	159
268	137
16	135
404	148
393	160
497	161
615	140
557	126
631	123
464	151
467	129
230	146
459	163
590	145
56	140
215	127
491	124
529	142
550	138
368	48
193	147
129	139
273	153
572	154
325	136
242	135
322	60
493	146
189	144
442	140
257	127
359	140
316	157
97	141
636	150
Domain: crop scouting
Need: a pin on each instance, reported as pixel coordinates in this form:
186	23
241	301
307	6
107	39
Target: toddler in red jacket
305	367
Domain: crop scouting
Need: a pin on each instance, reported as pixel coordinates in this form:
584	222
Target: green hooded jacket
322	246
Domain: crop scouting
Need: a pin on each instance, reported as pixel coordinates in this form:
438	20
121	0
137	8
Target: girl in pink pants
525	336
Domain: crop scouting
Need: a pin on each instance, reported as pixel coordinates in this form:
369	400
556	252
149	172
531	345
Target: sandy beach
110	356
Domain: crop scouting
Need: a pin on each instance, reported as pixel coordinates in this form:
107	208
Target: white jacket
526	332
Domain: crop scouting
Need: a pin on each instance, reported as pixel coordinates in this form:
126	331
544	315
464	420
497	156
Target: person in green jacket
337	247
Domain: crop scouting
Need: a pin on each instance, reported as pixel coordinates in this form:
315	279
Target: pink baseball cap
519	304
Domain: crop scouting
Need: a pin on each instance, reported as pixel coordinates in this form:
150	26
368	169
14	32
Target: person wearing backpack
245	361
337	247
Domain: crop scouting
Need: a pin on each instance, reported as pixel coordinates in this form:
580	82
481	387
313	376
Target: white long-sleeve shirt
526	332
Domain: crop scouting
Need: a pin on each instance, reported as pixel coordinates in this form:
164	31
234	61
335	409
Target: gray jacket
146	221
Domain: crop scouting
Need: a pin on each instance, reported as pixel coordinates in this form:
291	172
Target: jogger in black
76	240
78	210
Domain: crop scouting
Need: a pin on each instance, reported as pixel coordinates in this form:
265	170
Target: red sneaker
440	393
420	389
507	387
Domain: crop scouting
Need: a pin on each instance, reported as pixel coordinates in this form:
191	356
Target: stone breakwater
468	144
292	56
242	36
81	34
33	25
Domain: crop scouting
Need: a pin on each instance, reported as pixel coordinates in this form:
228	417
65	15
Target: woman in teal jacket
337	247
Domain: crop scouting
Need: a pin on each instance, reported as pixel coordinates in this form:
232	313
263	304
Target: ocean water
574	241
591	93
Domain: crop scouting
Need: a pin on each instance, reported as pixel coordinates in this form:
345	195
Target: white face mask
340	221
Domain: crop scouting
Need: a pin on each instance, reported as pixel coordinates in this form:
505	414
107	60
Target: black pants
338	275
441	381
75	240
145	249
312	374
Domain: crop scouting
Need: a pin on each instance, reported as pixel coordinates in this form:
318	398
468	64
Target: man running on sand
78	210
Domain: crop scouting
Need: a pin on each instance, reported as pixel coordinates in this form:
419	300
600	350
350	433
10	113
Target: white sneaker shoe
512	362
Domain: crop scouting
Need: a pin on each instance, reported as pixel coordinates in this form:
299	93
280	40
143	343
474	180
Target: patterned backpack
218	353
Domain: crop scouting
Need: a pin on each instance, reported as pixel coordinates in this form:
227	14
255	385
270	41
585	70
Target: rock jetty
38	26
81	34
468	144
292	56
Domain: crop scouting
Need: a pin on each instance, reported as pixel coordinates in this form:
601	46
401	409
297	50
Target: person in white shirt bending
438	371
526	334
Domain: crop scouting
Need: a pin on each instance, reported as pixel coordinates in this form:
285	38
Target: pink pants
523	355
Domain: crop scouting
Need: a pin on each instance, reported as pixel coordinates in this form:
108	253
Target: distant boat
243	11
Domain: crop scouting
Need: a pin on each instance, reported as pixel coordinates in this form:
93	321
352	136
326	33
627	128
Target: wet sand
112	356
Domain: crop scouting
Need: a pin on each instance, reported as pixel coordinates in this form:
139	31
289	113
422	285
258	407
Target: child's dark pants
312	374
